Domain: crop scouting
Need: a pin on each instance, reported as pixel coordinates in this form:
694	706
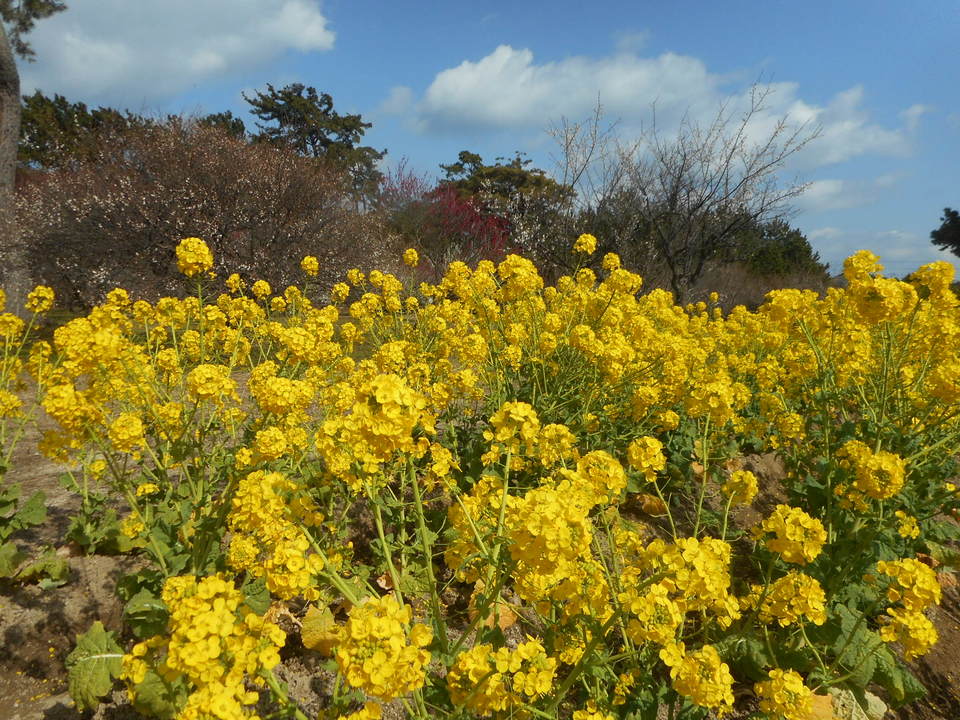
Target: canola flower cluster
499	682
914	589
381	652
566	440
213	643
267	540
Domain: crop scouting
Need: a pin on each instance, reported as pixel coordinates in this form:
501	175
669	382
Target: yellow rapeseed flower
193	256
40	299
586	244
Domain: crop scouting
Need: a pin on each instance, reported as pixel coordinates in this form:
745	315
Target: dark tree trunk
14	268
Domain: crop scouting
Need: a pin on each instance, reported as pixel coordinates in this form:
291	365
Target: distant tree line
105	194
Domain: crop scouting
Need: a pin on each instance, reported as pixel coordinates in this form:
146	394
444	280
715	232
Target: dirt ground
38	627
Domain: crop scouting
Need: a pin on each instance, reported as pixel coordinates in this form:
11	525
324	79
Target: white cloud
847	131
509	90
506	89
824	233
887	180
911	116
632	42
901	252
112	51
823	195
833	194
398	101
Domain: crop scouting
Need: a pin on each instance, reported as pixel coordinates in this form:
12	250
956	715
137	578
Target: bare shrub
116	219
736	284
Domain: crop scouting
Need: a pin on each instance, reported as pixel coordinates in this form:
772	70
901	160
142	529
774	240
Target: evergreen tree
55	132
225	121
471	176
305	120
947	236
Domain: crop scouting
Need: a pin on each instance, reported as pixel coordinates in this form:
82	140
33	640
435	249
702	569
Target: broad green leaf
888	676
10	559
157	698
944	555
92	666
49	566
913	689
893	676
33	511
146	614
863	668
256	595
9	495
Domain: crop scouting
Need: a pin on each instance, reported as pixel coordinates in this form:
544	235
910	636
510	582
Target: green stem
282	696
703	479
378	520
813	647
332	576
577	669
726	517
428	557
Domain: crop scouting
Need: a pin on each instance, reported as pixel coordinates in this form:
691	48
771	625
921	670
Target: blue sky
878	77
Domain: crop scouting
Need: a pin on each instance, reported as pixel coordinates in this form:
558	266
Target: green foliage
160	698
55	132
309	124
10	559
471	177
893	676
92	666
256	595
49	570
146	614
15	516
947	236
19	18
95	527
225	121
775	248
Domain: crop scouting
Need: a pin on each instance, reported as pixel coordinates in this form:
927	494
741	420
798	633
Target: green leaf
8	499
92	666
747	655
863	668
256	595
855	647
913	689
944	555
901	685
49	567
146	614
414	579
10	559
888	676
33	511
155	697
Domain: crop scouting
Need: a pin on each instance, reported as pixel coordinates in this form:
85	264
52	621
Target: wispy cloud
508	90
112	50
901	252
833	194
911	116
398	101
